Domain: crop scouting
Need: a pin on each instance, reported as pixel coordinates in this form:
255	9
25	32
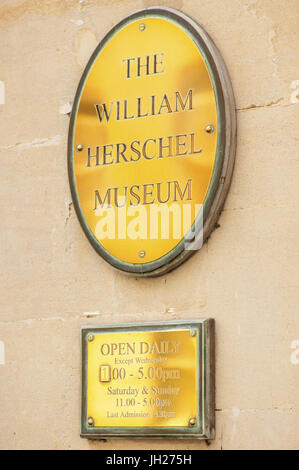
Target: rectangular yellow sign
142	378
147	379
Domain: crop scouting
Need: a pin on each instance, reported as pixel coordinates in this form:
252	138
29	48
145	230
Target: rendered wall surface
246	276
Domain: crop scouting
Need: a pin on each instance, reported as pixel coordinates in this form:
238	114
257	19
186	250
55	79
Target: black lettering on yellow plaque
148	379
152	142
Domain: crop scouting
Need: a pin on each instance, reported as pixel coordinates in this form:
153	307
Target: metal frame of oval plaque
225	151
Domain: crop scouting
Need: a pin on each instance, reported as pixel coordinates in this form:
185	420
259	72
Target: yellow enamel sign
142	379
148	379
143	142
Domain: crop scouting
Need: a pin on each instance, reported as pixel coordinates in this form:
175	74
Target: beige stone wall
246	276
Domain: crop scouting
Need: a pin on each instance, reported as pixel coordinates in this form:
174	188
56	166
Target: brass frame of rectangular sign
204	426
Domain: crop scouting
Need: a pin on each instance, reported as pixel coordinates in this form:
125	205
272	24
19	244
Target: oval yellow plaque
152	142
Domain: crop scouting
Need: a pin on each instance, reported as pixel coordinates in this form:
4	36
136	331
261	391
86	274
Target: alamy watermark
2	353
295	94
154	222
2	92
295	353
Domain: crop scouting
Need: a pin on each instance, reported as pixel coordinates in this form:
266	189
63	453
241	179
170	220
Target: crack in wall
69	214
265	105
257	410
36	143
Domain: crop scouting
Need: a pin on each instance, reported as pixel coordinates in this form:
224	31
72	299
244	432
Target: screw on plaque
192	422
193	333
80	147
142	254
209	129
142	27
90	421
90	338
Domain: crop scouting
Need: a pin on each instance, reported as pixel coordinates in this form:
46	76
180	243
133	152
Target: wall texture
246	276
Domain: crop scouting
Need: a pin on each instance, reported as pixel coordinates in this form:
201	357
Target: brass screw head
209	129
192	422
90	421
142	27
193	333
90	338
142	254
80	147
